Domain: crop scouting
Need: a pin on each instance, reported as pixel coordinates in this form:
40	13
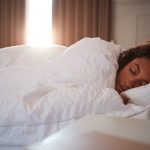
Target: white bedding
40	95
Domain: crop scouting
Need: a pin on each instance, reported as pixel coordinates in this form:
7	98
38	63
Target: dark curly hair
131	54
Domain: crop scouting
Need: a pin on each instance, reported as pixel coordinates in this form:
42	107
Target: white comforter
40	96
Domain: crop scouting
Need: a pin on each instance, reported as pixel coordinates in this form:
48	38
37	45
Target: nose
128	84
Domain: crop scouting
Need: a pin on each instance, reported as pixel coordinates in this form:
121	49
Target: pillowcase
139	95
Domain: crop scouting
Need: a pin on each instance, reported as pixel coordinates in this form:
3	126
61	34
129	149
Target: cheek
119	77
122	75
147	74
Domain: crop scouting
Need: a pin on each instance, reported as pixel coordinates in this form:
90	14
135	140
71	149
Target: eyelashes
134	70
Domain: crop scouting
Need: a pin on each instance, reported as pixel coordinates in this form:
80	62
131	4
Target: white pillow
139	95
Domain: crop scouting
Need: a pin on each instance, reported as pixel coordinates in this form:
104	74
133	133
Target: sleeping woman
134	68
42	97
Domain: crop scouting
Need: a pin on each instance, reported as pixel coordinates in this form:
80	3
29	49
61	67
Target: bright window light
39	22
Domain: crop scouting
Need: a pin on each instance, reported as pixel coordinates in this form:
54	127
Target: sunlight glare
39	22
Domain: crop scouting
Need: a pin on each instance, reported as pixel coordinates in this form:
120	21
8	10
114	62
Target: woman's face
134	74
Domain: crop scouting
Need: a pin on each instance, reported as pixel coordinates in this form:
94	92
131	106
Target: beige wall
130	22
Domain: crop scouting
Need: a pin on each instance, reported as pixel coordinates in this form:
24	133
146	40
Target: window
39	22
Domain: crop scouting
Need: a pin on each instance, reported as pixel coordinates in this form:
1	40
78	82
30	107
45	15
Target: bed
43	90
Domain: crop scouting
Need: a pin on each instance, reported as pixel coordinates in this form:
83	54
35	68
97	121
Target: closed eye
132	71
135	70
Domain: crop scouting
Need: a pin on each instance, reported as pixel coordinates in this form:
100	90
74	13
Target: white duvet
40	94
